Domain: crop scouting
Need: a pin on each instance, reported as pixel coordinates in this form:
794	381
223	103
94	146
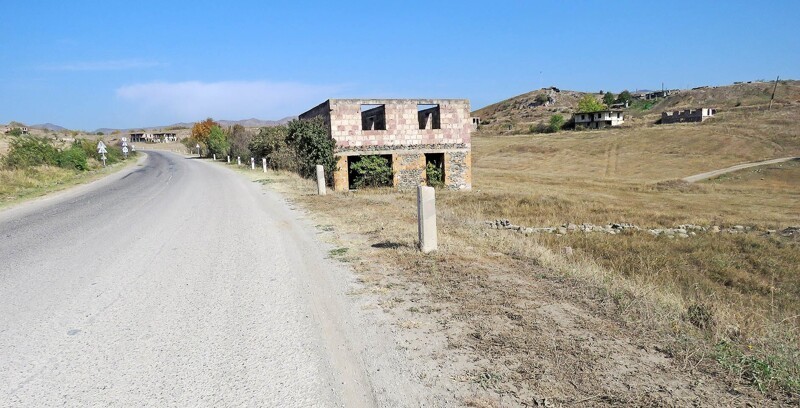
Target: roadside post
133	148
198	149
229	159
426	215
320	180
238	160
101	150
264	164
252	163
215	157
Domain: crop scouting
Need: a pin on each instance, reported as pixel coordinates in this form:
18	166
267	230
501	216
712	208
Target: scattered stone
567	251
682	235
715	229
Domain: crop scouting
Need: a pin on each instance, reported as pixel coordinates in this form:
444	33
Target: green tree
239	139
541	99
15	132
625	96
218	142
590	104
608	98
270	143
313	145
556	123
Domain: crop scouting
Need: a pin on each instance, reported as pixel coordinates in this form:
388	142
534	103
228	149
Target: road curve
177	283
710	174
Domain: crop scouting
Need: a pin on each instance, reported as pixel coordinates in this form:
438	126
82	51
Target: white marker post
101	149
198	149
264	164
229	159
252	163
215	157
426	216
238	160
320	180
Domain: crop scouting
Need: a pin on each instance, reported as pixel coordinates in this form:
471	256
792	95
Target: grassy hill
515	115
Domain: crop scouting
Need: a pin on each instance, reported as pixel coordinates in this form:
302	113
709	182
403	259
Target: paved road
176	283
710	174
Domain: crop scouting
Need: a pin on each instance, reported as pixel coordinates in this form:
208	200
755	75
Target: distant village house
158	137
598	120
687	115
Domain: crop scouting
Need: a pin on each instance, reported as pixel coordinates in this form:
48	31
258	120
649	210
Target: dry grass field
627	319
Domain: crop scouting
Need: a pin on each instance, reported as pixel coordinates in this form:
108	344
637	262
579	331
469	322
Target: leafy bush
29	152
371	171
556	123
270	142
73	158
435	175
312	145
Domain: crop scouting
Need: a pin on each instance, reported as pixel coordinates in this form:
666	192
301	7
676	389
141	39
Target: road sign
102	149
124	143
133	148
125	149
124	140
100	145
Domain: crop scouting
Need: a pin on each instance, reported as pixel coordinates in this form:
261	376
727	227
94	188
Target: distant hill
248	123
49	126
519	112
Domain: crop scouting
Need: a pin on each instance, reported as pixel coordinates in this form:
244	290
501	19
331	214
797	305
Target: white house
598	120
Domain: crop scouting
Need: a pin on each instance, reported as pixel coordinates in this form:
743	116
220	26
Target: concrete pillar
238	160
320	180
264	164
252	163
426	216
229	159
215	157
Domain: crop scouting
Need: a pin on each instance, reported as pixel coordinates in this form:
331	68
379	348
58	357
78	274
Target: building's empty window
434	169
373	117
370	171
429	117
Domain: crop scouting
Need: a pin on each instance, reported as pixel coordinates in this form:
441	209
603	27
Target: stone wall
687	115
457	170
408	169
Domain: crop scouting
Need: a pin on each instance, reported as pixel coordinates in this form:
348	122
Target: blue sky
92	64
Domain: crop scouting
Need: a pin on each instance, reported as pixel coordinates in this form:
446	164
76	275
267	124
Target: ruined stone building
599	120
410	133
687	115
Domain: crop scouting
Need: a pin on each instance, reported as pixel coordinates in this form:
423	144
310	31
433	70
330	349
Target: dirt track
714	173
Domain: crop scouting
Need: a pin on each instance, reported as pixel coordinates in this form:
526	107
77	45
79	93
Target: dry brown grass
627	319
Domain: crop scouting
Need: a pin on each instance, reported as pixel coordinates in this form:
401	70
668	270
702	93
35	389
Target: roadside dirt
490	327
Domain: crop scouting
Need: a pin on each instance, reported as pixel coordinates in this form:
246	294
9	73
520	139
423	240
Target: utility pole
773	92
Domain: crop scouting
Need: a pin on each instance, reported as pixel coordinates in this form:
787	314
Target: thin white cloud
158	102
111	65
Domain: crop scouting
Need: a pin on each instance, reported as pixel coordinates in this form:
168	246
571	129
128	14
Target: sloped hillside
517	114
530	107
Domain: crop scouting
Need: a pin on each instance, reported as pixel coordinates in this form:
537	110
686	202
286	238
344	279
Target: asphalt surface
175	283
